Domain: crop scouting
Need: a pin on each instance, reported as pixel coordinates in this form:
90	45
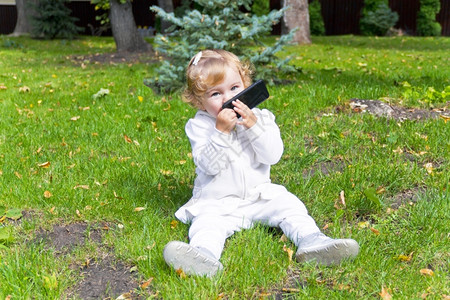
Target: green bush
316	24
53	20
426	18
377	18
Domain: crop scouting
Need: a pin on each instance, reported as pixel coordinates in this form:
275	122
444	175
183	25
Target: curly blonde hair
207	69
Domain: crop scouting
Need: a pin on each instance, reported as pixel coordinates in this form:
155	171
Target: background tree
316	23
124	28
426	18
24	13
377	18
51	19
296	17
167	6
219	24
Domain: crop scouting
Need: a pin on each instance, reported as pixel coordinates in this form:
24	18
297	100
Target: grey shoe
325	250
192	261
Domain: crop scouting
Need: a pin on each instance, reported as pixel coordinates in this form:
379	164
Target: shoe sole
183	256
330	254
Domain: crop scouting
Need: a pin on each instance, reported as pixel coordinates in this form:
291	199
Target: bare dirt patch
101	277
106	278
406	196
63	238
382	109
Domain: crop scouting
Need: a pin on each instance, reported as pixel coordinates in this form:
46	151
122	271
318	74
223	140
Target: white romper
233	189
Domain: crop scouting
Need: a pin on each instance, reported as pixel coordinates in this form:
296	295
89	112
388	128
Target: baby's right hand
226	120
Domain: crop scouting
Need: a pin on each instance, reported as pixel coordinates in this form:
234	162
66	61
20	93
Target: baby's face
215	96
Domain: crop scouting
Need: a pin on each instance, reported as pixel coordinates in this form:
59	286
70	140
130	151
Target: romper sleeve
208	144
265	137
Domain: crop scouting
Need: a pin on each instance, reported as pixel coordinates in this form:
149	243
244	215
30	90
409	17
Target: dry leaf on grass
289	252
44	165
385	294
146	283
426	272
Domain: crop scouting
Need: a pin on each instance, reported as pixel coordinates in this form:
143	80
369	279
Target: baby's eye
215	94
234	87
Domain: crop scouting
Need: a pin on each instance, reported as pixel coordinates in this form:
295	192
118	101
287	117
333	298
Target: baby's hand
248	117
226	120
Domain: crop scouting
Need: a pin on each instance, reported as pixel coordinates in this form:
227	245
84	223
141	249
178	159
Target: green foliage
429	95
377	18
102	6
261	7
426	18
316	24
218	24
53	20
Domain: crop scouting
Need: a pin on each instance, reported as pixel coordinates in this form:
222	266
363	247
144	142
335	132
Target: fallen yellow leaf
44	165
145	284
364	224
289	252
52	210
125	296
166	172
81	186
427	272
446	118
24	89
377	232
75	118
406	258
398	150
127	139
139	208
47	194
428	167
181	273
385	294
173	224
342	197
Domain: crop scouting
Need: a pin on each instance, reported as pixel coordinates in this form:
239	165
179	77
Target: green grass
96	174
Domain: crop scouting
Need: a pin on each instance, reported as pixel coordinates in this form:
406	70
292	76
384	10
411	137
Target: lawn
93	165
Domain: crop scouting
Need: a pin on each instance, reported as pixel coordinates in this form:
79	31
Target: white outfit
232	189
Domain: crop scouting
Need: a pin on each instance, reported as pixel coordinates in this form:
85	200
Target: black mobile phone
251	96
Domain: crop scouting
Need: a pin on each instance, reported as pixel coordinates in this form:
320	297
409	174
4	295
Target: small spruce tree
218	24
52	20
377	18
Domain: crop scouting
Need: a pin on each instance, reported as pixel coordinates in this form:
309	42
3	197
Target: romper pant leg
209	231
287	212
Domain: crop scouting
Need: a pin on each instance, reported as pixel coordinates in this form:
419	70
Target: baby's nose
228	96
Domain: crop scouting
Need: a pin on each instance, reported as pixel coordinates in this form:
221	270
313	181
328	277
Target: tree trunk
24	13
124	28
297	16
167	6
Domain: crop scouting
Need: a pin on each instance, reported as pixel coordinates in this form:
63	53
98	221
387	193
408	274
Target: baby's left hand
248	117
